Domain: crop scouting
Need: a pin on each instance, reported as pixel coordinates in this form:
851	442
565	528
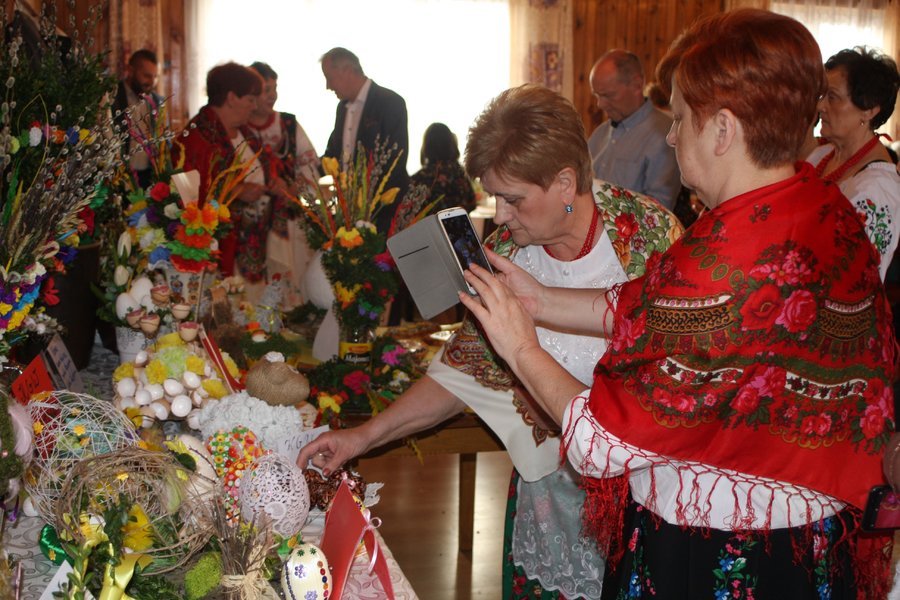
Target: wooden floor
419	511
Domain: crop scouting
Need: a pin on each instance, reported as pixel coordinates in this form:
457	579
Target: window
447	58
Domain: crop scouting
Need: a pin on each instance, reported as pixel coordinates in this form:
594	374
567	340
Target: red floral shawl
762	343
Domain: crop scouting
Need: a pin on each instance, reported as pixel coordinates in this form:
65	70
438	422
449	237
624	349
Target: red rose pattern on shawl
785	340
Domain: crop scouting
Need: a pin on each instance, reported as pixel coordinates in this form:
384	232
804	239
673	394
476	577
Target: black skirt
664	561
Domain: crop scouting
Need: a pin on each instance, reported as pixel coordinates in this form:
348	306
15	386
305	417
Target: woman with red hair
210	143
737	421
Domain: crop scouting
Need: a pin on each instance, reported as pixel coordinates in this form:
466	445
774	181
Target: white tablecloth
21	539
21	542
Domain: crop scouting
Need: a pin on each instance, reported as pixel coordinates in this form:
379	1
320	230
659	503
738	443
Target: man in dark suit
135	92
367	112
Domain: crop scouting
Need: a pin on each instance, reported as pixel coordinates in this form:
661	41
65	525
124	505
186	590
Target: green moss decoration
203	577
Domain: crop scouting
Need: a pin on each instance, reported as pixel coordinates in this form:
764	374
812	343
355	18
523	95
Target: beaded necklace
588	241
847	164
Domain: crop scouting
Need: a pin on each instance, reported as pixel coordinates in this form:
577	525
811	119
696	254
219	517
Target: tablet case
428	266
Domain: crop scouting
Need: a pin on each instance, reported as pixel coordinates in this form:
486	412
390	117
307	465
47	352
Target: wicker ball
69	428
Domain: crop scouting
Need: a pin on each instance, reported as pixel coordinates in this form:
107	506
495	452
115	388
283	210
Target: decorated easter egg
233	452
305	574
275	487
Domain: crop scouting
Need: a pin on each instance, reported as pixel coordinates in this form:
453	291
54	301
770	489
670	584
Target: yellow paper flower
345	296
327	402
331	166
79	430
215	388
138	533
156	371
388	196
170	339
17	318
195	364
124	370
38	427
349	239
232	367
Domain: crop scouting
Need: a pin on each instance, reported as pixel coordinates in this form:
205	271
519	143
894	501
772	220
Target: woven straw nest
277	383
155	481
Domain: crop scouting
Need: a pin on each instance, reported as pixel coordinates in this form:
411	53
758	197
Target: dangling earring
569	209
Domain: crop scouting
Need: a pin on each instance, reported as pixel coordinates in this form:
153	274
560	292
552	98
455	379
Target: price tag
33	380
62	368
289	446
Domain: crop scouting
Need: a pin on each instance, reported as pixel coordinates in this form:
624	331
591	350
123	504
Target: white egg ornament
126	387
181	406
142	397
156	391
173	387
305	575
126	303
191	380
141	287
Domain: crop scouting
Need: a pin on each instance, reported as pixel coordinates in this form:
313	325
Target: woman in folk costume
530	150
738	419
295	161
214	139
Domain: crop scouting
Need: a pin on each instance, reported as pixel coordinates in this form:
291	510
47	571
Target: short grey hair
341	57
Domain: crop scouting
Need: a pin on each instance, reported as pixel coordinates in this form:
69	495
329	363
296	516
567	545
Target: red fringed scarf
762	343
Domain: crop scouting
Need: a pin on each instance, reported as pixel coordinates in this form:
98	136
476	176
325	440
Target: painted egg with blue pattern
305	575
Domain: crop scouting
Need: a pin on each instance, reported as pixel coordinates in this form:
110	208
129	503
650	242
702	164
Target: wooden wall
108	38
645	27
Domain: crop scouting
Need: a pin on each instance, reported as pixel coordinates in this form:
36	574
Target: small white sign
62	369
289	447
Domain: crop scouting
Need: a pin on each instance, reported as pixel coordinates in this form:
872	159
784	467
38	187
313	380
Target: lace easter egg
273	486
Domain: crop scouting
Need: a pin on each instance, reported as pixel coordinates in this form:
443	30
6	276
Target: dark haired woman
862	91
441	172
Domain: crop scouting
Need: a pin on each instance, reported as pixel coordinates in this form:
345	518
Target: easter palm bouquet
57	147
340	222
167	227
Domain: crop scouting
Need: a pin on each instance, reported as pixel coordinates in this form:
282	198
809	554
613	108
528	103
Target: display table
21	543
466	435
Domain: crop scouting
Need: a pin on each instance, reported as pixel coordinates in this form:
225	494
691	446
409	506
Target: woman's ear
567	181
726	127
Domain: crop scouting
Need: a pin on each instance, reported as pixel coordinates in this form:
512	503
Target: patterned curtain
839	24
541	44
136	24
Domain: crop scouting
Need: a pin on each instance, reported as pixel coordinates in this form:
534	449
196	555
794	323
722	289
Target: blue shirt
634	154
